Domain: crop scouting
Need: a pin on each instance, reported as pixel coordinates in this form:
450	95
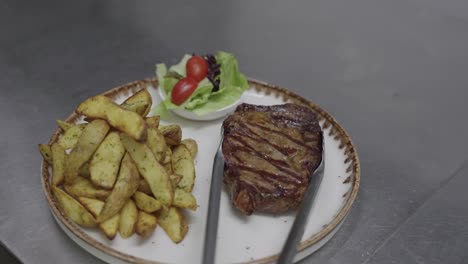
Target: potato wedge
73	209
119	118
84	188
174	223
140	103
58	164
105	162
84	170
156	143
128	219
63	125
94	206
150	169
146	203
183	199
152	121
175	179
125	186
110	226
167	156
89	141
46	153
172	134
182	164
144	187
145	224
168	168
69	139
191	145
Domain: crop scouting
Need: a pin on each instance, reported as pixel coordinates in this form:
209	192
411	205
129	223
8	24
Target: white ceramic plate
254	239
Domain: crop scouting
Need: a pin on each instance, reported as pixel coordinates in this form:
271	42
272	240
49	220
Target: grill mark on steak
274	140
270	152
280	163
260	127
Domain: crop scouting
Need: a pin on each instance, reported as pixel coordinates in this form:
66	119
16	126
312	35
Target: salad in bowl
201	87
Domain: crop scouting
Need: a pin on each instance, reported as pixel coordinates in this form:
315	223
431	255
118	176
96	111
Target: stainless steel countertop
394	73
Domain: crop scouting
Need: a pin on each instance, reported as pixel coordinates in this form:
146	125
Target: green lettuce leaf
230	75
180	67
219	100
199	96
203	100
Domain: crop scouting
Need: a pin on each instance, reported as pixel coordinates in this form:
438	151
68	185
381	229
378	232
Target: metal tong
297	230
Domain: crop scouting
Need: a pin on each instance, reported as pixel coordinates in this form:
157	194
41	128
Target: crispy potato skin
150	169
145	224
173	221
172	134
105	162
146	203
140	103
183	199
90	139
124	120
82	187
46	153
110	226
191	145
128	219
58	164
73	209
152	121
126	185
182	164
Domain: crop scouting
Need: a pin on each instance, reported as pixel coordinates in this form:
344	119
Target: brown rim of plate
336	130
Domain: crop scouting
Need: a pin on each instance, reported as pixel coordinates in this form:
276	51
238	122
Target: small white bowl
210	116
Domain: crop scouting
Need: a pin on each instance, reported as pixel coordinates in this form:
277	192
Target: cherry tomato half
183	89
197	68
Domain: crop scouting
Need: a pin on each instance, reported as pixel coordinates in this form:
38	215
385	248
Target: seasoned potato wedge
84	188
145	224
140	102
105	163
175	179
89	141
94	206
150	169
46	153
191	145
172	134
144	187
69	139
173	222
110	226
84	170
125	172
146	203
58	164
153	121
118	117
167	156
63	125
182	164
183	199
73	209
128	219
168	168
156	143
126	185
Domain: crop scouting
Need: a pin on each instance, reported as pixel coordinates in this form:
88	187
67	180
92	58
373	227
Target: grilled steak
270	153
